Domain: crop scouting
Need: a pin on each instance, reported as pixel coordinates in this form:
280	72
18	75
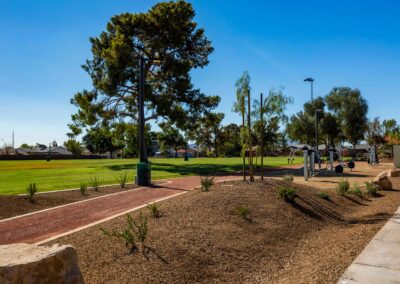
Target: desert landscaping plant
343	186
323	195
131	233
154	210
243	212
206	183
355	190
83	188
372	188
288	177
123	179
287	193
31	191
95	183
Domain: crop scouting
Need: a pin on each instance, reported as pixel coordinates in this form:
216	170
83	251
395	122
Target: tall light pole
143	167
311	80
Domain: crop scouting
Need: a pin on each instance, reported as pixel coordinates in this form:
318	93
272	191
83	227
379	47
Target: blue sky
339	43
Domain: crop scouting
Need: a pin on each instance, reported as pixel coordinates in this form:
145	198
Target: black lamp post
143	168
311	80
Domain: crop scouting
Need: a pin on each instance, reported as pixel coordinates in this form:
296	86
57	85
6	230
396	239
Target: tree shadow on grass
183	169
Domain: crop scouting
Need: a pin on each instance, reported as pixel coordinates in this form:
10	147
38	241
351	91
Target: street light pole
143	169
142	143
311	80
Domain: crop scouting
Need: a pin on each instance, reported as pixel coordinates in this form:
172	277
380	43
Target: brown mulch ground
14	205
199	238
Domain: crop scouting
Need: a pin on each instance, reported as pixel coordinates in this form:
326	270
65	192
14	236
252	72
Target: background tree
301	128
230	140
131	139
351	110
74	147
170	138
375	133
211	129
242	96
274	113
102	140
172	44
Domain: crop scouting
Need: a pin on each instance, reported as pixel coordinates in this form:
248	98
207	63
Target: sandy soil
199	238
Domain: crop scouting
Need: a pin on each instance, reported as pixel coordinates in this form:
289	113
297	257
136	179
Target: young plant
343	186
131	233
355	189
31	191
288	177
323	195
206	183
287	193
83	188
243	212
95	183
154	210
372	188
123	179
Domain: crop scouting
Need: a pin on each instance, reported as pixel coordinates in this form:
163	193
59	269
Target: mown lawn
62	174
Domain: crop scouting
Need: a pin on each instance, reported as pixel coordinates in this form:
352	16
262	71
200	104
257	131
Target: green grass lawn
15	176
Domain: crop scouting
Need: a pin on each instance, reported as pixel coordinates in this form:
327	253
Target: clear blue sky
339	43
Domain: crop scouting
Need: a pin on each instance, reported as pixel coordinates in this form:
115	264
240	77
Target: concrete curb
379	262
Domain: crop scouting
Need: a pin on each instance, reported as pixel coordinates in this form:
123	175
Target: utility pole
262	135
143	167
250	142
243	129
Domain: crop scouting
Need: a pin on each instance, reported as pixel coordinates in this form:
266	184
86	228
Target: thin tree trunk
250	142
243	144
262	136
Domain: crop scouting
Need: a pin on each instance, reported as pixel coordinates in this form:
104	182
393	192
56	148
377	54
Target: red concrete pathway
43	225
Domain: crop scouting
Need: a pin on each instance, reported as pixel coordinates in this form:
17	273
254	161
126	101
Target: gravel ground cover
201	238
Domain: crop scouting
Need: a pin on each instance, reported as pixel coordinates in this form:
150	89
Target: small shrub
123	179
288	177
372	188
287	193
131	233
31	191
323	195
95	183
83	188
343	186
206	183
154	210
243	212
355	189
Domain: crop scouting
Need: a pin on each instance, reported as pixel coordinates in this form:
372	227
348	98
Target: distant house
40	151
191	152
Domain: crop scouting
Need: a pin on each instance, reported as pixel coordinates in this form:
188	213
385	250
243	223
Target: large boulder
395	173
383	182
24	263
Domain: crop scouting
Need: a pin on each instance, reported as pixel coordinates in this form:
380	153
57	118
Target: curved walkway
42	226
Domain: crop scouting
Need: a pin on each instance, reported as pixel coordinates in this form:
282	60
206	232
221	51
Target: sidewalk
44	225
379	262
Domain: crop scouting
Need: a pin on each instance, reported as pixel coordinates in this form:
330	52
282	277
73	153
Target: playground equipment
372	155
313	157
396	155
